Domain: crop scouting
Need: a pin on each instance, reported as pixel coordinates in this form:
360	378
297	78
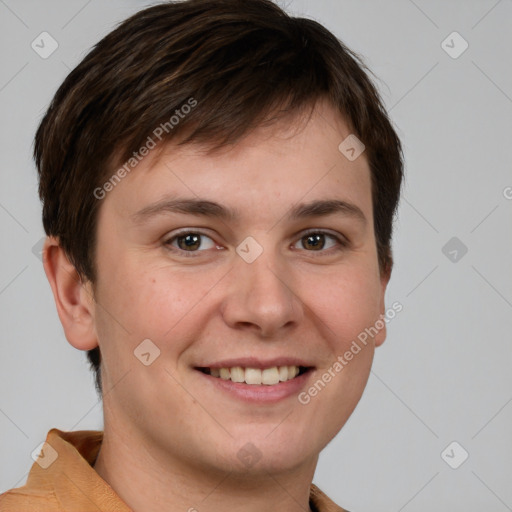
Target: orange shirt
63	479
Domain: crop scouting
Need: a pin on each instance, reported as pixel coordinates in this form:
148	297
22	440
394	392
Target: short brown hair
243	62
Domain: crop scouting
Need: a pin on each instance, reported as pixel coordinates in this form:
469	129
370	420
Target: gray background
443	374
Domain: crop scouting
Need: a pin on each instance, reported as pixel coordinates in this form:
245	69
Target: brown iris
189	242
315	241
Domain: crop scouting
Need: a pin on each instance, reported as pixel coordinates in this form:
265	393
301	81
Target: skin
171	438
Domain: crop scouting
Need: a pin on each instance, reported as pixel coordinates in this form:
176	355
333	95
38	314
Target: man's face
265	274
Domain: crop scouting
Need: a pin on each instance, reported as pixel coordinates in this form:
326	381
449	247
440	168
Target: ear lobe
73	299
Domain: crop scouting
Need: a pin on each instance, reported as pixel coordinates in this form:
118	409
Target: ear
385	275
74	299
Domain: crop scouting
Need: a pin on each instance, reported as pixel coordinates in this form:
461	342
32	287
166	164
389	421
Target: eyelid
323	231
186	231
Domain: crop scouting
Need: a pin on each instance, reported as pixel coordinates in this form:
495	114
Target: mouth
255	380
270	376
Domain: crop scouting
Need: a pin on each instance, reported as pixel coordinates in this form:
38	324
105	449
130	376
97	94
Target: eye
190	241
319	240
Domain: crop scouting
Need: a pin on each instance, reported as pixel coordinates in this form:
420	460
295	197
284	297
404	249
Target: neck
149	482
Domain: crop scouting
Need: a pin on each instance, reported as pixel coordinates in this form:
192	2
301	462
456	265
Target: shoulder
64	454
320	502
23	499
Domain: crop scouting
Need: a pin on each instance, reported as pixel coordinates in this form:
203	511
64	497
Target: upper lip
254	362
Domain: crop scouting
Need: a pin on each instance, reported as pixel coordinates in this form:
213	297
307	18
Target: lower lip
260	393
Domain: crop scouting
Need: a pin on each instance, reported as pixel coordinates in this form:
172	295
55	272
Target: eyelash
342	242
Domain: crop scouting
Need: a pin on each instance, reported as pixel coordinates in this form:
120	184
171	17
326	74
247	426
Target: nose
260	298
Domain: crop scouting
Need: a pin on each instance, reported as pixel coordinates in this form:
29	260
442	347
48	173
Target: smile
256	376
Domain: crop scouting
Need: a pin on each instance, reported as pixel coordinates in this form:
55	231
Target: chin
273	449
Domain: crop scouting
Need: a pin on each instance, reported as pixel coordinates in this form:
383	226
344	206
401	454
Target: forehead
293	160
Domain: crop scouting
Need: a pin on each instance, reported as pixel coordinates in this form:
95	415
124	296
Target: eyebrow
207	208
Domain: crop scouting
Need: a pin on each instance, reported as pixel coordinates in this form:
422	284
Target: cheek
346	303
157	301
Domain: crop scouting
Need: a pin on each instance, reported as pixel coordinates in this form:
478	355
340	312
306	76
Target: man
219	182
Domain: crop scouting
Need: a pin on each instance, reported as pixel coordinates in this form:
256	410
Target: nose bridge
262	295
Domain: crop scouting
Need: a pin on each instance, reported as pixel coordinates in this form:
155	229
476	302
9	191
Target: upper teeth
267	376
